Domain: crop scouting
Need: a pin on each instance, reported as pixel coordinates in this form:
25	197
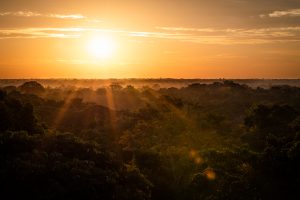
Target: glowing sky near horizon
150	39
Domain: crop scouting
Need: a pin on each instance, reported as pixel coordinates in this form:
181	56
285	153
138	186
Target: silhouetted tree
32	87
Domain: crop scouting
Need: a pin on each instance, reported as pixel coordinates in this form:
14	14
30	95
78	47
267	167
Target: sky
150	39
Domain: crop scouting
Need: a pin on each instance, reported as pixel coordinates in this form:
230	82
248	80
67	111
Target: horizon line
153	78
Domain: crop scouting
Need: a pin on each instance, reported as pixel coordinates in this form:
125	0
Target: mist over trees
219	140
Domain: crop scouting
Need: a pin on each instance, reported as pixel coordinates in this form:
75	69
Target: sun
101	47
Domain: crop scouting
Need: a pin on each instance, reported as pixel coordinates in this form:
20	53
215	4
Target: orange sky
153	39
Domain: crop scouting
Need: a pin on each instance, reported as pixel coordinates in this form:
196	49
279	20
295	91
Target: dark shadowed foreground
221	140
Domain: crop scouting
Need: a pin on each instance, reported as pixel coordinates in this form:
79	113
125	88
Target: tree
32	87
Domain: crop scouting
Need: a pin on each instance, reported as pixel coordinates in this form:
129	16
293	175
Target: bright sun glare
101	47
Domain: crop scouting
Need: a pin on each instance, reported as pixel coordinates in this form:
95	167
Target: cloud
185	29
33	33
158	35
283	13
181	34
77	16
263	32
20	14
237	36
75	32
36	14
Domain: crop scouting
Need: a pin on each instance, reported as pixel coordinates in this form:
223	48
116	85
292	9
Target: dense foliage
206	141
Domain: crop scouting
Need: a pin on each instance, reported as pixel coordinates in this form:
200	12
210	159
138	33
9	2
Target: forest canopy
220	140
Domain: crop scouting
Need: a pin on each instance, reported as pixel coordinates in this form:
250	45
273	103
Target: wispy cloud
76	16
193	35
237	36
36	14
75	32
283	13
40	33
158	35
186	29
